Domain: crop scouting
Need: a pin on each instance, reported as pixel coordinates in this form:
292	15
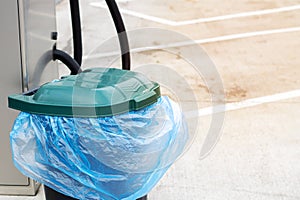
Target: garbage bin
101	134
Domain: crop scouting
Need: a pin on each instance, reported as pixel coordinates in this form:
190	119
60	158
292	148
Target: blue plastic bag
118	157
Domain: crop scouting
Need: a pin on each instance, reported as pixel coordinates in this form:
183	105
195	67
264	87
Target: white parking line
201	20
193	42
239	15
244	104
137	14
247	35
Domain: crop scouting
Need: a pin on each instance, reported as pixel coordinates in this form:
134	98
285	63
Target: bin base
143	198
51	194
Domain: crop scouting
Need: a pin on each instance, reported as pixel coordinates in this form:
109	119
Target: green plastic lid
95	92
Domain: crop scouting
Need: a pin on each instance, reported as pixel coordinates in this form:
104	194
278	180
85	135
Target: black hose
76	28
74	64
123	39
67	60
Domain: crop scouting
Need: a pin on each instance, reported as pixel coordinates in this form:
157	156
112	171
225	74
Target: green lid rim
27	104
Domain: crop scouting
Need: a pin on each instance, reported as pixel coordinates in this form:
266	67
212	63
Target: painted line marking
137	14
243	104
201	41
247	35
201	20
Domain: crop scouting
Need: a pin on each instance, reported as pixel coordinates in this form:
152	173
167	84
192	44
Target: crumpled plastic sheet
118	157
